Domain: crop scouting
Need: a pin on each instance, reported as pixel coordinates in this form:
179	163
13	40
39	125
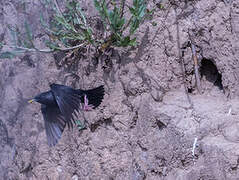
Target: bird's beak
32	100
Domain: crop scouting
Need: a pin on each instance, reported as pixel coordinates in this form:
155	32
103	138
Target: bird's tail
94	96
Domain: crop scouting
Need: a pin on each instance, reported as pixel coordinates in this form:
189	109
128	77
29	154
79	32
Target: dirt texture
146	127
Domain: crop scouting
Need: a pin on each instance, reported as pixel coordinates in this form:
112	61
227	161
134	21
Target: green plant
70	30
117	22
69	27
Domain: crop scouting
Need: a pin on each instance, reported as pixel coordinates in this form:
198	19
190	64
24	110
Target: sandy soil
145	128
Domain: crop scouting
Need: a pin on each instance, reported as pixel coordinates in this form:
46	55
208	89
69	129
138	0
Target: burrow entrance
209	72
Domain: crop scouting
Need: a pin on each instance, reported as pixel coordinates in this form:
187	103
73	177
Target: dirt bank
145	128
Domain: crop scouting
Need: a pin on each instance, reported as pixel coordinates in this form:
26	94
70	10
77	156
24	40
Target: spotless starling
61	104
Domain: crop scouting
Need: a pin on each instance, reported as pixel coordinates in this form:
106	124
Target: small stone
75	177
59	169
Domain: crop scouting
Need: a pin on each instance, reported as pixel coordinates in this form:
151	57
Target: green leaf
142	11
13	33
28	31
26	43
105	10
121	22
132	10
111	16
52	45
29	36
81	13
89	31
134	26
97	5
135	3
7	55
71	5
133	42
125	41
59	19
43	23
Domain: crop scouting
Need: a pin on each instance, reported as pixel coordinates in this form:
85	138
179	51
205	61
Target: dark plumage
61	103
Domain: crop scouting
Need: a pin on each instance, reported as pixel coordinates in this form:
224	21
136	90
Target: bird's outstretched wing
68	100
54	123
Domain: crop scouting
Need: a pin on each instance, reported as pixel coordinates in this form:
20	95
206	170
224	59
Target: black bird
61	104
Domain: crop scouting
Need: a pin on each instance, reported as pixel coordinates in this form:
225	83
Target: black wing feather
54	123
68	100
94	96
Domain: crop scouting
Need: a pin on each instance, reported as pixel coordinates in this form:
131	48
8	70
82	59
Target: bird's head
37	98
43	98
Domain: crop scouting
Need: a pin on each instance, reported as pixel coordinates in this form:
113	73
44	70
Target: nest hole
209	70
190	90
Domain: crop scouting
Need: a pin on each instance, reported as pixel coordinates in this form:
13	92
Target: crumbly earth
146	127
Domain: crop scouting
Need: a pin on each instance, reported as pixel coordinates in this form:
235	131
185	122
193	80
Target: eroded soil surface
145	128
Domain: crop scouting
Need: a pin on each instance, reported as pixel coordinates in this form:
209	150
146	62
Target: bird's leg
86	106
81	125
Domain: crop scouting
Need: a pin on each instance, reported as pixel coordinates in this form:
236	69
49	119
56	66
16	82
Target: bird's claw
80	125
86	106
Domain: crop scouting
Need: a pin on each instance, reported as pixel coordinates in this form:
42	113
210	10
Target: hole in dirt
209	70
190	90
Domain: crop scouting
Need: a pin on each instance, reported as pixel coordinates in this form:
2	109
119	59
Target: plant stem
44	50
195	60
182	60
59	11
122	8
128	23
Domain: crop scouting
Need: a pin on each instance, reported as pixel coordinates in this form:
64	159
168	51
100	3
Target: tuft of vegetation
70	30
